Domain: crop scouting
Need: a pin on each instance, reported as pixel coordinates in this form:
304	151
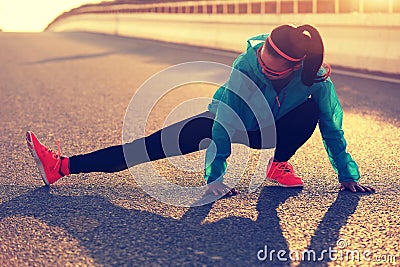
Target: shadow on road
327	234
140	238
74	57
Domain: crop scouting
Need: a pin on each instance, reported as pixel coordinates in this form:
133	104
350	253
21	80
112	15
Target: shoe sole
283	185
39	164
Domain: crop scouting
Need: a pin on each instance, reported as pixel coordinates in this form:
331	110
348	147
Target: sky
33	15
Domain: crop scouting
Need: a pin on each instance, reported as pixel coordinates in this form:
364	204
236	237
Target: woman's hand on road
218	188
356	187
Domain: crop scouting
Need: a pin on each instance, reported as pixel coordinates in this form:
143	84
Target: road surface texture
76	87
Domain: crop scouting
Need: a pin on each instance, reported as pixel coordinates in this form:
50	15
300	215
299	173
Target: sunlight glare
28	15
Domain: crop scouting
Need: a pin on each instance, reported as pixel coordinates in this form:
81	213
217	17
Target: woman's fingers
368	189
221	189
372	189
359	188
352	188
355	187
234	191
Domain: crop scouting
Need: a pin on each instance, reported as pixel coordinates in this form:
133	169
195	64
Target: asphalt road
76	87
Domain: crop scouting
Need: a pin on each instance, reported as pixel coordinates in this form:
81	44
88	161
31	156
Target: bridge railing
253	7
362	40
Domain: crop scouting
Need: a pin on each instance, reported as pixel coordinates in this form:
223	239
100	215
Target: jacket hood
251	53
255	42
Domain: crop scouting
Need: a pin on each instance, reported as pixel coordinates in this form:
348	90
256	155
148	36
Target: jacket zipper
279	102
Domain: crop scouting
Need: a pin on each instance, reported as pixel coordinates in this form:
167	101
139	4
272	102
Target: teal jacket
291	96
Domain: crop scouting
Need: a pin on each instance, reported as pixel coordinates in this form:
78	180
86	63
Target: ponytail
314	51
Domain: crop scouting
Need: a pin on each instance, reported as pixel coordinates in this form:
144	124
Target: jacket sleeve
217	153
330	125
227	121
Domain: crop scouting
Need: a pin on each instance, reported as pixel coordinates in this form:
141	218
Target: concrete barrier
361	41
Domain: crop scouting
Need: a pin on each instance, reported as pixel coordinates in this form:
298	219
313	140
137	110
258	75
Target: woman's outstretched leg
178	139
190	135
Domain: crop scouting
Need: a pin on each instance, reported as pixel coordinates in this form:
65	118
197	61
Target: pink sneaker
52	166
283	174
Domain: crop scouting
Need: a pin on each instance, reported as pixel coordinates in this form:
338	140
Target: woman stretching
286	66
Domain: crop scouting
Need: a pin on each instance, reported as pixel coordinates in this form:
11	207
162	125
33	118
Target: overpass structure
361	34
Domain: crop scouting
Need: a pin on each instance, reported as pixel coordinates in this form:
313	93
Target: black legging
292	131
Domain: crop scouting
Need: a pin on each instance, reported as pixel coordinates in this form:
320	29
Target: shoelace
56	156
284	167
